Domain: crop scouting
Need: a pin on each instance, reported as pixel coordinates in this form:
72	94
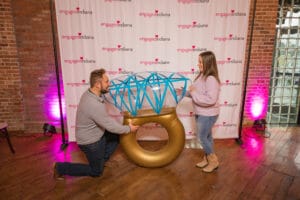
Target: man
96	132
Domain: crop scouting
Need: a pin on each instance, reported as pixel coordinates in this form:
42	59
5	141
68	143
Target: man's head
99	80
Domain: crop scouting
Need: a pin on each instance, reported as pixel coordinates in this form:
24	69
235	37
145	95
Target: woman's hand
178	91
191	88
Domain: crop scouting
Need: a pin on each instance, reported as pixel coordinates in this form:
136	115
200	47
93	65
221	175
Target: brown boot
213	163
202	163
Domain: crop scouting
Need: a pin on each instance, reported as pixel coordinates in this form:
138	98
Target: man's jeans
204	127
96	153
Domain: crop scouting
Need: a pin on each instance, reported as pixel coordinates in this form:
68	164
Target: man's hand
133	128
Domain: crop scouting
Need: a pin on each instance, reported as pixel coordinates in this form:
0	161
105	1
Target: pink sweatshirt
205	95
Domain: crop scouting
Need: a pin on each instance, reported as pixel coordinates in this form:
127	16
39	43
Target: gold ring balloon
133	94
168	119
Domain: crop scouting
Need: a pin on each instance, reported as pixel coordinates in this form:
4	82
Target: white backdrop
126	36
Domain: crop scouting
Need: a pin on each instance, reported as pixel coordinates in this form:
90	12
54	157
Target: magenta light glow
257	106
51	99
52	109
255	147
253	144
63	156
257	99
55	110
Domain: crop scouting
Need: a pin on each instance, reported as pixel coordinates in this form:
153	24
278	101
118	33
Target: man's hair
96	76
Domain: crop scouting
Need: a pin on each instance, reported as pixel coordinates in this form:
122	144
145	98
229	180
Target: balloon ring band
169	120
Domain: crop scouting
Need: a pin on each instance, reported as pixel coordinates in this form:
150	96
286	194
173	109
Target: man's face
104	84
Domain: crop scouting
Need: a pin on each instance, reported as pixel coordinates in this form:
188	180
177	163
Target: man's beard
104	91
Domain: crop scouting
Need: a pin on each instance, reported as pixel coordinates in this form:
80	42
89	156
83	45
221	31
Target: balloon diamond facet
147	90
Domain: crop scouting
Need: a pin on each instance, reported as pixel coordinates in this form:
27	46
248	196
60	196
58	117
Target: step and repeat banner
125	36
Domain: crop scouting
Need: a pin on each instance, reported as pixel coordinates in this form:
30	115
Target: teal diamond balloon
145	90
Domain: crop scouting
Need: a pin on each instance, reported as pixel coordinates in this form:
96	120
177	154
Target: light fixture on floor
259	124
49	129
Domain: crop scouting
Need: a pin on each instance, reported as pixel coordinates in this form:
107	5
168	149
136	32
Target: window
285	78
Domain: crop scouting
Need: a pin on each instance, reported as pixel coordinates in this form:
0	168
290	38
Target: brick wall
261	55
27	60
11	97
35	47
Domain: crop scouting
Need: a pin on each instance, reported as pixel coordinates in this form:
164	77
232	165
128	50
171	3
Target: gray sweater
92	120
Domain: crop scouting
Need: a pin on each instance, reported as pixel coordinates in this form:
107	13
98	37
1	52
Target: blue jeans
204	128
96	153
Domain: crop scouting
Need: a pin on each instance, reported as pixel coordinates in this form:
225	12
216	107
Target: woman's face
200	64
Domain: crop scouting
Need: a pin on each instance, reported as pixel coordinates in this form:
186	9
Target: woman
205	95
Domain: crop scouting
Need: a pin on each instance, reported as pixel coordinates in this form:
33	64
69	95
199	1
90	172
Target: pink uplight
55	110
257	106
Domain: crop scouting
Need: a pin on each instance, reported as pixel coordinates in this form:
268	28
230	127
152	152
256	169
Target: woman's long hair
210	67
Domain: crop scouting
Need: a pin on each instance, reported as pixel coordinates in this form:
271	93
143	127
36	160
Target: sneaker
56	175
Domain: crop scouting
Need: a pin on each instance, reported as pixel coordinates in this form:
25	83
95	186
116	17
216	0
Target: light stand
64	141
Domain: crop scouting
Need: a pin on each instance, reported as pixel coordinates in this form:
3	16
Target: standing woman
205	95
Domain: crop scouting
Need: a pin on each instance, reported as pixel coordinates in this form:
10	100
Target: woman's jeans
96	153
204	128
